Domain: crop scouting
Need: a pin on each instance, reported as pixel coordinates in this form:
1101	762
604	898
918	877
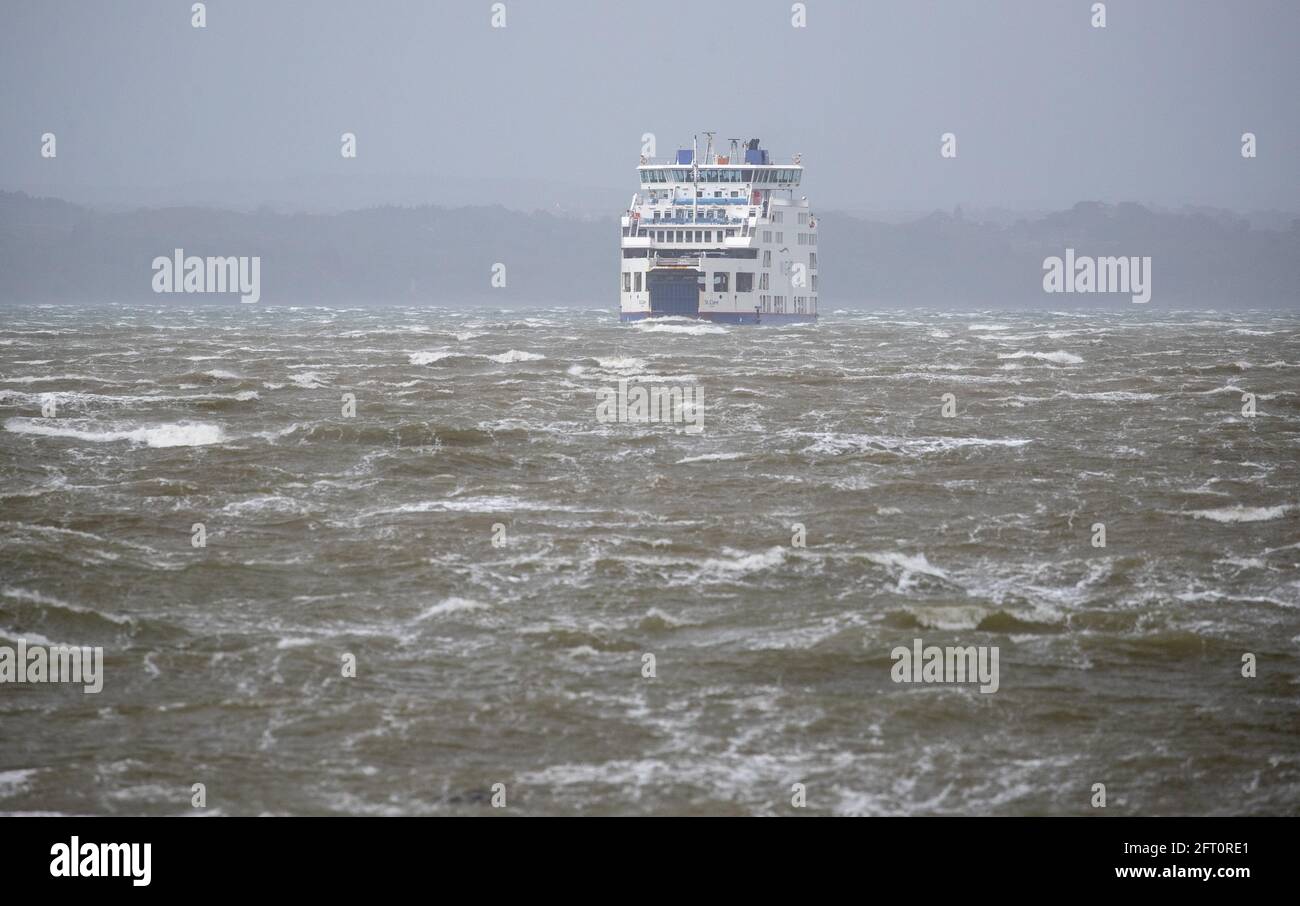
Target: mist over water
522	664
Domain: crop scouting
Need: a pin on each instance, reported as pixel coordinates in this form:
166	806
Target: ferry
719	237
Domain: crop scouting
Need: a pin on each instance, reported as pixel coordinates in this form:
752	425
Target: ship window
745	282
627	282
762	282
767	236
699	235
720	282
636	282
814	282
812	260
767	258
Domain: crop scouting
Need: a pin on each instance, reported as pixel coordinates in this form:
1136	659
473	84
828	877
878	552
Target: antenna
695	177
708	149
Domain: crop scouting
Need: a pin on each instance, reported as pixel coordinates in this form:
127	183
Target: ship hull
726	317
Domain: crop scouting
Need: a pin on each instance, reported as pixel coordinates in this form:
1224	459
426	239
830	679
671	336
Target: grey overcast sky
1047	110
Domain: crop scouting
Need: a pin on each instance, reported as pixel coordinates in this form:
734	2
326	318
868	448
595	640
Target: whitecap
1060	357
450	605
428	358
693	329
711	457
514	355
1242	513
308	380
176	434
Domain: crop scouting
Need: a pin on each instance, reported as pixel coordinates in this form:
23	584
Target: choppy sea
499	562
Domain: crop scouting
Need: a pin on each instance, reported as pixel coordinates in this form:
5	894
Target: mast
695	177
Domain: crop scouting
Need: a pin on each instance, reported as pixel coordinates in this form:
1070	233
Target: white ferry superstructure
720	238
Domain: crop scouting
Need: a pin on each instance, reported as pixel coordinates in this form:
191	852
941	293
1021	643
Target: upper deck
771	176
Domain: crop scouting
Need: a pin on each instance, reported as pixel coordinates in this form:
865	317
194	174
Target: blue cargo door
674	292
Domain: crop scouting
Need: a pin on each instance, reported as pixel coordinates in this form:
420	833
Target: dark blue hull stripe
726	317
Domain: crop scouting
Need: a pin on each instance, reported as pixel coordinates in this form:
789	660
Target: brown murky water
522	663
